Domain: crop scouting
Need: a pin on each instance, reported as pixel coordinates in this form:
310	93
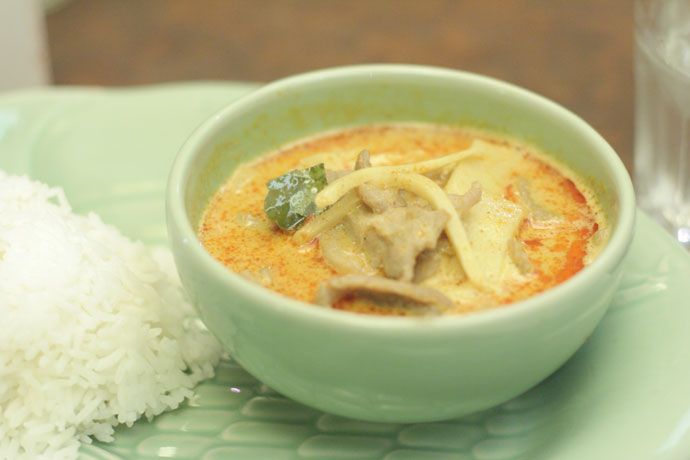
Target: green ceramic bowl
379	368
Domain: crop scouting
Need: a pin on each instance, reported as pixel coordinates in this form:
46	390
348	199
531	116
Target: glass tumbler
662	113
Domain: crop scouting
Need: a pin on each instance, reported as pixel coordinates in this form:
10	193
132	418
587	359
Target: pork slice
375	247
336	288
380	199
519	256
538	212
463	203
406	232
413	200
441	175
363	160
428	263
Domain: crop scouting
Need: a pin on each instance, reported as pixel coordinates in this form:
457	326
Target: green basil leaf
290	198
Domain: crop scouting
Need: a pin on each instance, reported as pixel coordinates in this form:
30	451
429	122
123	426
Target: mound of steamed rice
95	329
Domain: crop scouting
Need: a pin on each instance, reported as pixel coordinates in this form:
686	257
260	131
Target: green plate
625	395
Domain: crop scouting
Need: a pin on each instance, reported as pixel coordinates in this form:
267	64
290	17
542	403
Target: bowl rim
611	255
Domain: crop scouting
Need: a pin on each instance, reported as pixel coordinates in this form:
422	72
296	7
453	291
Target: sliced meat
428	263
413	200
380	199
538	212
519	256
441	175
336	288
375	247
463	203
363	160
395	237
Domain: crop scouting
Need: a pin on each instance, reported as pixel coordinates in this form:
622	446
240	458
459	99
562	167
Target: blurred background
578	53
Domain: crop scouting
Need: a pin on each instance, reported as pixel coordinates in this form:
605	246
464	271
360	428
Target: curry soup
406	219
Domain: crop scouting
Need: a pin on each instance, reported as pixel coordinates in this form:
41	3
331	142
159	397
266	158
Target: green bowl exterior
393	369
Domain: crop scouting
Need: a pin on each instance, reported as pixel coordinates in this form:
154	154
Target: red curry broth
236	231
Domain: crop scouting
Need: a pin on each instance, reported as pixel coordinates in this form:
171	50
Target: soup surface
405	219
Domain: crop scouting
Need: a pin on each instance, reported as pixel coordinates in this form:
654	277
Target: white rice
95	328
